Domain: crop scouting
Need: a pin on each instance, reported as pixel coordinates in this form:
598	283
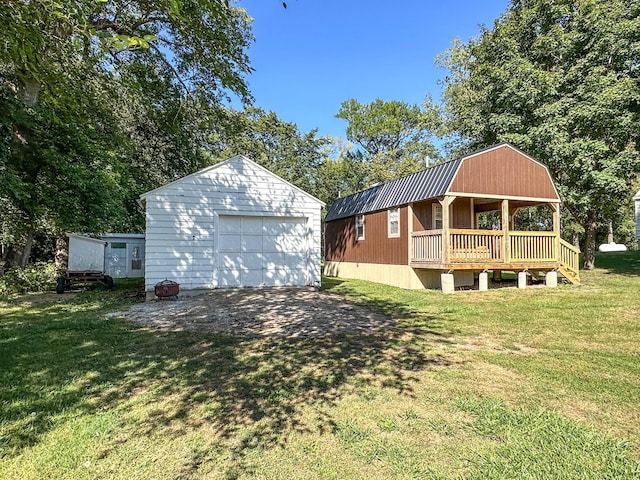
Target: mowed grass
536	383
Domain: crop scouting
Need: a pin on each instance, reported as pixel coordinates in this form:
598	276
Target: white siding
182	219
86	254
125	259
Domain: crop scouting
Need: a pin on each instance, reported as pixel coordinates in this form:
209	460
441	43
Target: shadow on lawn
622	263
60	358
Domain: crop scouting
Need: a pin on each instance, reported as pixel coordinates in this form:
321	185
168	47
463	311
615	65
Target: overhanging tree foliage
103	99
561	80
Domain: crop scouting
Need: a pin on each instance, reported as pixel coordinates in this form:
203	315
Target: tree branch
172	68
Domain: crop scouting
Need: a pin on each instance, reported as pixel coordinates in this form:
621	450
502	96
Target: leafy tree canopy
202	42
394	136
273	143
103	99
561	80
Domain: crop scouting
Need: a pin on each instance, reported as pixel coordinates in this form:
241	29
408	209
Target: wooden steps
573	277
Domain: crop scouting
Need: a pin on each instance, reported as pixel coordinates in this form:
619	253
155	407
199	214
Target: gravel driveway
259	312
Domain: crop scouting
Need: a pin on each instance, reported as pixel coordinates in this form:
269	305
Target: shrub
37	277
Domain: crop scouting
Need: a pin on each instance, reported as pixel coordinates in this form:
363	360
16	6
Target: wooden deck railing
475	246
533	247
487	246
570	257
427	246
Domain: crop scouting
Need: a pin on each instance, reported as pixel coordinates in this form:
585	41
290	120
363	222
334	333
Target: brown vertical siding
503	171
423	215
461	213
377	247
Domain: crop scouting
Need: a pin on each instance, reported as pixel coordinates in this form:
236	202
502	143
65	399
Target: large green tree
395	137
270	141
102	99
343	172
561	80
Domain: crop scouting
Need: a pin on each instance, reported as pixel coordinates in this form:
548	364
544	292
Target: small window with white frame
437	216
360	227
393	222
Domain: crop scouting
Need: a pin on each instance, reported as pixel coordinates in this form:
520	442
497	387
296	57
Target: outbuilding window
360	227
437	216
393	222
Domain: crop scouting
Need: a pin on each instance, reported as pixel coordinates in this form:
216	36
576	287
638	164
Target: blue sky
315	54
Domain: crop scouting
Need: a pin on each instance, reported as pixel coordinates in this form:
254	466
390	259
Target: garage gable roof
637	196
235	158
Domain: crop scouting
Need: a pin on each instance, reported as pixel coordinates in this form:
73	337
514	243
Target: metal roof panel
428	183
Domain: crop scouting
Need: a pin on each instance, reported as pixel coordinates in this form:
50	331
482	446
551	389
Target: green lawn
537	383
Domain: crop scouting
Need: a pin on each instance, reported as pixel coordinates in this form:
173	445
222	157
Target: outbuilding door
262	251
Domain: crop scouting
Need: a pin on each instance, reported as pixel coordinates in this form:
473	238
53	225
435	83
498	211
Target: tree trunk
590	245
26	252
62	256
576	240
12	257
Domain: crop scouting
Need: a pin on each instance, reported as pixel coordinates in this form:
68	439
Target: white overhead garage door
262	251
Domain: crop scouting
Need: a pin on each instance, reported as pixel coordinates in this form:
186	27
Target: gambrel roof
474	174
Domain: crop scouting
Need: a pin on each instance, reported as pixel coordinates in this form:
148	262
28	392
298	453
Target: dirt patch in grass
259	312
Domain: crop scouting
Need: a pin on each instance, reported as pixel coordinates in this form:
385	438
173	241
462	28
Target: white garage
234	224
268	251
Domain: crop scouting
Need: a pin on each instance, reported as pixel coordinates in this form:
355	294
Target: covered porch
459	244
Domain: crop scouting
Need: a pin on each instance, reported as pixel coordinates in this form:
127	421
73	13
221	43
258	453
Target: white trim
434	208
358	238
389	234
217	165
504	197
216	249
84	237
637	196
139	236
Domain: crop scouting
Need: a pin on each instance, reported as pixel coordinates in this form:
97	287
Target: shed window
360	227
437	216
393	222
118	245
136	261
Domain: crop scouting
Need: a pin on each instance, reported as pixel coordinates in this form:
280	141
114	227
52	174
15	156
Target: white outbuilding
233	224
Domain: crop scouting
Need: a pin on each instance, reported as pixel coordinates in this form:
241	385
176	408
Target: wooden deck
465	249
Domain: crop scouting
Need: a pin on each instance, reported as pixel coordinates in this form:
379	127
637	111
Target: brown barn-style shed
421	231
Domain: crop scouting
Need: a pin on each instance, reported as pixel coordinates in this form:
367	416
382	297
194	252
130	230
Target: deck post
551	279
522	279
555	210
409	232
505	230
472	210
483	281
446	204
447	282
